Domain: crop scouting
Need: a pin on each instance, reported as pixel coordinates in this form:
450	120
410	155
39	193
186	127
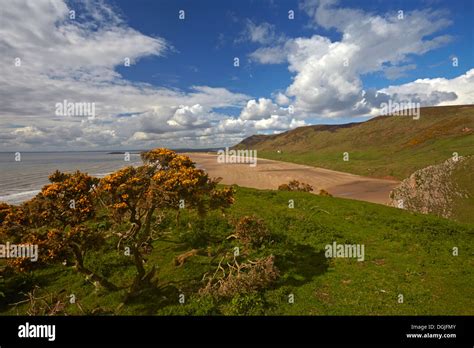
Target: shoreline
267	174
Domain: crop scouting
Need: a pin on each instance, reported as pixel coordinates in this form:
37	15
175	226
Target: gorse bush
324	193
295	185
63	218
251	231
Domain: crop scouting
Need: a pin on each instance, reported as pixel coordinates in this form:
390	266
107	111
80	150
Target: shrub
13	223
249	304
324	193
251	231
295	185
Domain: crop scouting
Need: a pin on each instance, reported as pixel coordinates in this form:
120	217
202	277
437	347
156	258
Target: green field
405	253
386	146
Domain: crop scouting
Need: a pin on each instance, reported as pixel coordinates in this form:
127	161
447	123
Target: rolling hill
385	146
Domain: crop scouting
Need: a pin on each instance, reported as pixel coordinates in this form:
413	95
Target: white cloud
269	55
437	91
276	122
261	108
263	33
263	115
187	115
76	60
328	74
282	99
30	135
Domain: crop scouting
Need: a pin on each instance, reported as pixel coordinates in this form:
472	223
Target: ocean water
22	180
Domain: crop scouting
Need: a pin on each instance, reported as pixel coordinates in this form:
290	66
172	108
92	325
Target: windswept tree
167	181
66	204
127	194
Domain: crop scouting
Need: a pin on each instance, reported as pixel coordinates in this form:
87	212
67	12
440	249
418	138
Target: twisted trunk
79	266
142	278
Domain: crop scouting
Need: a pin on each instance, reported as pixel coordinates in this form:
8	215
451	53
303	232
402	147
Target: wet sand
269	174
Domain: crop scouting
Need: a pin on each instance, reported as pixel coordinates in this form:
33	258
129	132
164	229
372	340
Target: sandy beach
269	174
21	181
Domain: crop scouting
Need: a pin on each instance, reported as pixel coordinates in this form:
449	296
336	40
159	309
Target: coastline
267	174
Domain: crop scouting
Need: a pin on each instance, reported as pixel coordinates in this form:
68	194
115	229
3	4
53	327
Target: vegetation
227	251
323	192
126	212
463	179
295	185
165	181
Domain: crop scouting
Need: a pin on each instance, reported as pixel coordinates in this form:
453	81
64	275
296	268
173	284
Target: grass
405	253
393	146
463	178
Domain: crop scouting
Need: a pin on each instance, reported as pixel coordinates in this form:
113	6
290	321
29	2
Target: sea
21	180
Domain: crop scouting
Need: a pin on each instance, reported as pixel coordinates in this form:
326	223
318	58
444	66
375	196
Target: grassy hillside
463	179
393	146
405	253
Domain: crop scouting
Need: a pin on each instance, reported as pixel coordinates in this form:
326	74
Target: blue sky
335	62
205	42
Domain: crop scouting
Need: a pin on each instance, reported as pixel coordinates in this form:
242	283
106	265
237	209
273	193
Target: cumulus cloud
275	49
437	91
328	74
188	115
76	60
280	123
261	108
263	115
282	99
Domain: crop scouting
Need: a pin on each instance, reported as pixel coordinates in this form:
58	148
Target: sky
208	73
